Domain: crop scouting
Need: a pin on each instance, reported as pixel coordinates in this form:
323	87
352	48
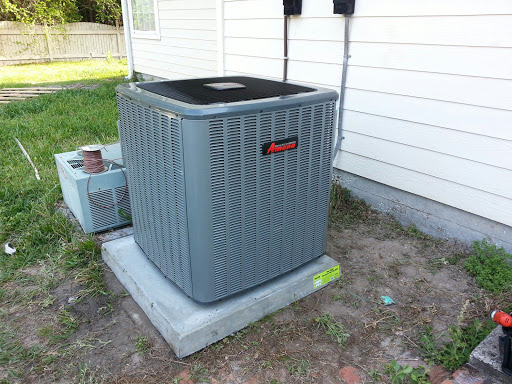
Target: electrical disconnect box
292	7
344	7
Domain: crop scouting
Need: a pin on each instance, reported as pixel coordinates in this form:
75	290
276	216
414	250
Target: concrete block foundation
429	216
188	326
486	358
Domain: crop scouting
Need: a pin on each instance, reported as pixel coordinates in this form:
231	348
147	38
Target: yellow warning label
326	277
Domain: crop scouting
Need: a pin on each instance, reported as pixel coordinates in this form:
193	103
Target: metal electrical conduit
337	146
127	38
285	53
342	91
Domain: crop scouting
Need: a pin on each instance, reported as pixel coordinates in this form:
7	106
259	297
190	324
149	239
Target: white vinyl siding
187	46
429	89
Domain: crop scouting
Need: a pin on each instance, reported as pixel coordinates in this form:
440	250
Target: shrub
490	266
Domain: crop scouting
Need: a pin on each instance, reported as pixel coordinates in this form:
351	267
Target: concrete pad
486	358
189	326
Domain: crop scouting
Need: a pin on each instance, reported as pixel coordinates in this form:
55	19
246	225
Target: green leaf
407	369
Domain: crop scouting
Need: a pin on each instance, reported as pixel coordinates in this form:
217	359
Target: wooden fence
75	41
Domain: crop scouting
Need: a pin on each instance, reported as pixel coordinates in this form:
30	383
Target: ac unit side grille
152	146
103	213
123	203
269	212
78	163
105	205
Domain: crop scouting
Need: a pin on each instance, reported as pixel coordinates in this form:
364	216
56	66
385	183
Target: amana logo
280	145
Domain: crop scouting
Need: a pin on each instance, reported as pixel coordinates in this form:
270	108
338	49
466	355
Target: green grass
11	351
299	367
62	72
47	125
142	345
491	267
87	376
65	325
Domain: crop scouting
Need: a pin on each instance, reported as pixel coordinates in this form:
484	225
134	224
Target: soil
116	343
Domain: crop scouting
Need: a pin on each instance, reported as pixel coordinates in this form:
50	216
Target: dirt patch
114	341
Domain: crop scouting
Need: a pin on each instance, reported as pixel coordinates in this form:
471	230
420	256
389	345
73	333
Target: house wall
188	43
428	105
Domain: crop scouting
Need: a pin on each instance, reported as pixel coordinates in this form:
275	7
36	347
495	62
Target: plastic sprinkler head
501	318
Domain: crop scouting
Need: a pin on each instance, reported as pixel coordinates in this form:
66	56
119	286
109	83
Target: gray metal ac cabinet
213	213
100	206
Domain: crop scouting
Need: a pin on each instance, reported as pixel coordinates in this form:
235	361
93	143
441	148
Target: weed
297	306
251	328
440	262
142	345
345	209
413	231
490	266
267	364
86	376
299	367
456	352
399	374
341	280
124	215
107	309
336	297
216	346
375	376
333	328
199	374
454	260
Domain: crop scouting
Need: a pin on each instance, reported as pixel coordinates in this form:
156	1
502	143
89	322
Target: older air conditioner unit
229	178
99	201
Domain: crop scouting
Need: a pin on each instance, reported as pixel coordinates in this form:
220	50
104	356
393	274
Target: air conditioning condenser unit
229	178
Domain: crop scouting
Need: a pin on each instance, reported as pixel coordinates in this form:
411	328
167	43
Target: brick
254	380
458	372
438	374
349	375
185	377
